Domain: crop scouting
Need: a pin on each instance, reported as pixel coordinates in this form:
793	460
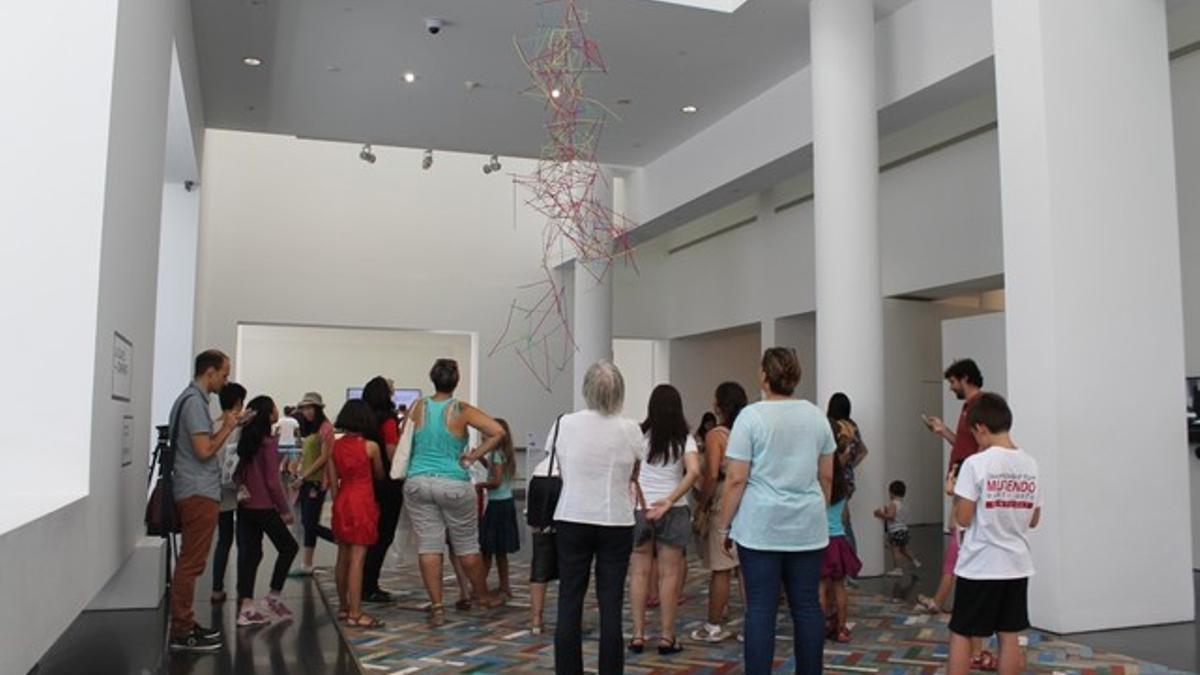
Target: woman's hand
657	510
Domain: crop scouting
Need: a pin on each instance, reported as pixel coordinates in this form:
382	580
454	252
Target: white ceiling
332	69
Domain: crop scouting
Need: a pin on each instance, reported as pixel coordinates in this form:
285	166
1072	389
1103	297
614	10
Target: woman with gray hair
599	453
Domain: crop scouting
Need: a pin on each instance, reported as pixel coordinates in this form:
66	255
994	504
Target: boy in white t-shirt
997	501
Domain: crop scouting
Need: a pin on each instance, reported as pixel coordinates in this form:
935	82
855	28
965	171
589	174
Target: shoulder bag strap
554	446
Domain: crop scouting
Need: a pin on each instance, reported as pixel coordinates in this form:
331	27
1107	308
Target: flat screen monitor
401	397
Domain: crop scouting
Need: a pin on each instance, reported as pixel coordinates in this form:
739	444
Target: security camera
434	25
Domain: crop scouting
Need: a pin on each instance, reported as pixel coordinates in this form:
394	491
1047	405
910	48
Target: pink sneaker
250	616
278	608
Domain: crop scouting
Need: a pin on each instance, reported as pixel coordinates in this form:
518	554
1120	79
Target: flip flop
637	644
667	647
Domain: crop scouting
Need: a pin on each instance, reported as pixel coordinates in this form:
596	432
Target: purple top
261	477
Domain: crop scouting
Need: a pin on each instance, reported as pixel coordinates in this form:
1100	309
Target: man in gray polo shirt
197	482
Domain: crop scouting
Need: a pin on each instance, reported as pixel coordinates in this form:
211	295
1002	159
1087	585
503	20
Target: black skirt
498	533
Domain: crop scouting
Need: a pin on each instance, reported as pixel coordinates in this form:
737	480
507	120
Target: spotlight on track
427	160
492	165
366	154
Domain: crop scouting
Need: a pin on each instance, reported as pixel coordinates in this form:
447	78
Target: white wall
1185	73
644	365
701	362
175	307
89	158
303	232
285	362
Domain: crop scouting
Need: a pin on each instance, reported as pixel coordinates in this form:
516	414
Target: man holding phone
966	382
197	482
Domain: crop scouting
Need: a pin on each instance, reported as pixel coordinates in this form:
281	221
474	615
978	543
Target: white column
592	306
1095	327
593	321
846	184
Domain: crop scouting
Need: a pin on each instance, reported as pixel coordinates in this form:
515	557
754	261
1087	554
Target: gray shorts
673	529
441	506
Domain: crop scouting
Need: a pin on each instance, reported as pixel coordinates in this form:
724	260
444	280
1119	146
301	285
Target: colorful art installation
568	187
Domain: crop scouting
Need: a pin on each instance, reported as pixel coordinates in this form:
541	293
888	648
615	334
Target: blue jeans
800	574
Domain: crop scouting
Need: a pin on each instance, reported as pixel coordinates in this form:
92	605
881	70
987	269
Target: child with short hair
895	518
998	501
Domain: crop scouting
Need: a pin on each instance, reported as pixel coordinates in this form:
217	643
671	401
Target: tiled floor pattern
888	638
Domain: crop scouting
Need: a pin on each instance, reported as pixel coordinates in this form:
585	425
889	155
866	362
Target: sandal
985	661
463	605
437	615
491	601
670	646
843	635
363	621
638	644
342	615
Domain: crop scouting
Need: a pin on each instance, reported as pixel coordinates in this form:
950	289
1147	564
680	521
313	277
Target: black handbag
544	491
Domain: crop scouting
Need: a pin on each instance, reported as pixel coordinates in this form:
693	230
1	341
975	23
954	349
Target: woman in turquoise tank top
438	495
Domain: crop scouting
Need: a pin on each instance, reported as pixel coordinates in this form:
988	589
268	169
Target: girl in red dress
356	464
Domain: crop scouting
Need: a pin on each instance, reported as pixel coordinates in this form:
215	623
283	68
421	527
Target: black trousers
252	524
225	534
578	545
389	494
312	500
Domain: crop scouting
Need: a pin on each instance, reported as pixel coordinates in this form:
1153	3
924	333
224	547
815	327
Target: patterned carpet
888	638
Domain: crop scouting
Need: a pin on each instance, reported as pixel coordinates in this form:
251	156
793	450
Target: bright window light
727	6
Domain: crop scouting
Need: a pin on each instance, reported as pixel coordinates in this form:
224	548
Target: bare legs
472	566
349	573
641	565
537	604
501	571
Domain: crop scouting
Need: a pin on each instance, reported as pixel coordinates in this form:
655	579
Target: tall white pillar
593	320
1094	306
846	185
592	307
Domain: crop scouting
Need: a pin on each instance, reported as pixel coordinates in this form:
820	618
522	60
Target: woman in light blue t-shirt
777	490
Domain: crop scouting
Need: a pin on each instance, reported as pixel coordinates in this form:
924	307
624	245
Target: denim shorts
442	508
673	529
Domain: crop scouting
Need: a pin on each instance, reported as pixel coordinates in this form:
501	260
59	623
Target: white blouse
597	455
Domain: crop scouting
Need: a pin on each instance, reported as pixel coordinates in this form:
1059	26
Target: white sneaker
897	572
251	616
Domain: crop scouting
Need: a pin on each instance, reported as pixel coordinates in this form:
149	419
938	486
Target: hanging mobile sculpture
566	187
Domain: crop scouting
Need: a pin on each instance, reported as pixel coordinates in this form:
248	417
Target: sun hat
311	398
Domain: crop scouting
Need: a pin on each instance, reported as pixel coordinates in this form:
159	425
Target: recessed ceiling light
689	109
555	92
252	61
410	77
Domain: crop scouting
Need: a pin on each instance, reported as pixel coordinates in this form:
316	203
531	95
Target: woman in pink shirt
262	509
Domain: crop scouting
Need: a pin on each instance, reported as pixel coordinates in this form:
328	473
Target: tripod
164	458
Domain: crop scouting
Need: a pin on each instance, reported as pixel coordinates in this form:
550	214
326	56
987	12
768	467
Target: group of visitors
761	488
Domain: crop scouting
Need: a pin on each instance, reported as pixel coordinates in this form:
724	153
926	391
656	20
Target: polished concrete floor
107	643
112	643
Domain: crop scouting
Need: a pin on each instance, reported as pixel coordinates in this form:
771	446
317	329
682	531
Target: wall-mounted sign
122	368
127	440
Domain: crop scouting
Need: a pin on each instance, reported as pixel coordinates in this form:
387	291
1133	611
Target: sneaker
195	642
897	572
301	571
207	632
710	633
277	607
251	617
